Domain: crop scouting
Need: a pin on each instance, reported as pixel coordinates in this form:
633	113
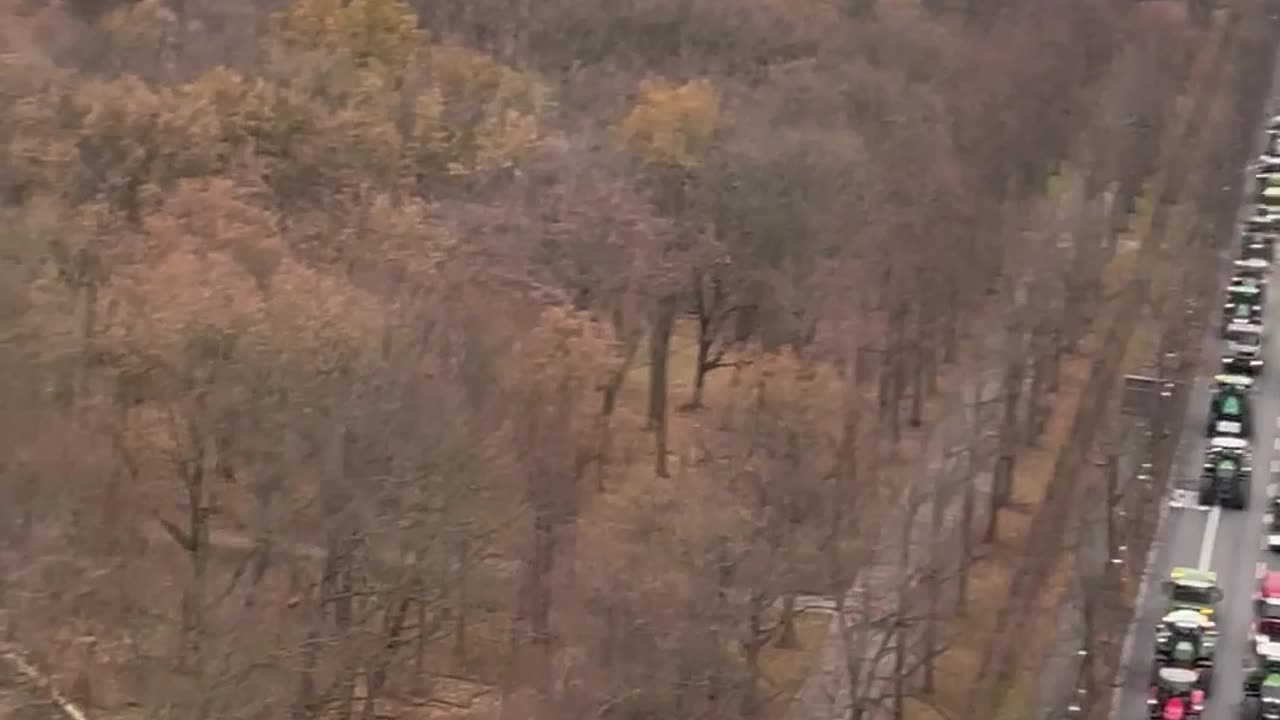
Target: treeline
355	290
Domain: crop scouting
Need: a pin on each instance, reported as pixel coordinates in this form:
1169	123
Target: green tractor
1262	683
1230	407
1243	304
1187	639
1269	698
1228	466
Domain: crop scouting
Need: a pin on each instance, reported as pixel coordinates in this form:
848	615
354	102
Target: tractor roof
1187	617
1193	577
1238	381
1224	442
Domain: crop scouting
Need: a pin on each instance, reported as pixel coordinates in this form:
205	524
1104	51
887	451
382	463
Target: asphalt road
1229	542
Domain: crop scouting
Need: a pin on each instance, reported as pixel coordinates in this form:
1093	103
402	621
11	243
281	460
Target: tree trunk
895	402
344	619
936	571
460	611
903	611
1055	362
195	626
884	381
917	384
88	322
966	540
787	624
706	312
419	687
931	366
1001	480
899	669
701	366
376	679
951	333
1031	434
659	355
609	396
756	639
1013	380
527	690
339	580
304	706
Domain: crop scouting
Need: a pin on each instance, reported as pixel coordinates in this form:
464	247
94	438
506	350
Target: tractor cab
1230	407
1242	305
1186	638
1228	466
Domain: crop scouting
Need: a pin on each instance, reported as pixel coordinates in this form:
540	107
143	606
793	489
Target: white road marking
1210	537
1275	467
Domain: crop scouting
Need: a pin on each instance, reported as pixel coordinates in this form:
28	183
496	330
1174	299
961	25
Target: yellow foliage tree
223	111
361	135
373	33
475	115
672	124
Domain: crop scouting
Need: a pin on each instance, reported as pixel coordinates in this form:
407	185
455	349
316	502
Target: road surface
1228	542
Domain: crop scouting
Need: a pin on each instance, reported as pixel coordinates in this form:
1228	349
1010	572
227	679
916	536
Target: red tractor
1175	696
